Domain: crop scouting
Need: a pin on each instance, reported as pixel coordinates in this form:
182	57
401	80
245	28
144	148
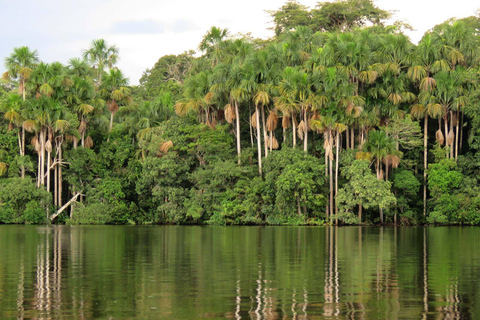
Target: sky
145	30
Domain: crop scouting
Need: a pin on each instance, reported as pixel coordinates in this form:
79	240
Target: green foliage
294	184
362	188
22	202
328	16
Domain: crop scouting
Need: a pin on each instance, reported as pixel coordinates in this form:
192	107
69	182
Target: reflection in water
239	273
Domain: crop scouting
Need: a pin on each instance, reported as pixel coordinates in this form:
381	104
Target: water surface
173	272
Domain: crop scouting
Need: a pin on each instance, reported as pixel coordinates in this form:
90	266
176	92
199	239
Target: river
195	272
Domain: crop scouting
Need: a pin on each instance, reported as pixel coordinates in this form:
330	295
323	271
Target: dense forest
337	119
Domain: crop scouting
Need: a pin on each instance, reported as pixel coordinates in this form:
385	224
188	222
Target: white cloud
145	30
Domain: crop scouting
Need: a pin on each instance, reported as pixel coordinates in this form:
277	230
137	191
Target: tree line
339	118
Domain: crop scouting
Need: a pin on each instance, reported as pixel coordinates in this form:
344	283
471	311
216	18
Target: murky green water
171	272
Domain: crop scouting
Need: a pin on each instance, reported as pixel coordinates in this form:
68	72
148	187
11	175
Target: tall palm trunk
42	157
352	136
22	151
55	178
259	144
337	157
250	124
330	138
347	139
451	130
446	131
456	134
425	137
60	155
305	134
48	170
294	131
326	177
265	142
239	148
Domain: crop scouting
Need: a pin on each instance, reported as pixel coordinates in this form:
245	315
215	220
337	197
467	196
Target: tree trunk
55	180
461	132
250	124
347	139
386	169
337	157
425	154
60	159
264	132
239	148
330	138
305	134
299	210
42	162
451	129
360	213
456	135
271	141
294	131
259	145
48	171
74	198
326	176
352	136
446	132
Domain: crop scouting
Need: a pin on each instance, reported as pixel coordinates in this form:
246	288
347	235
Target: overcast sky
145	30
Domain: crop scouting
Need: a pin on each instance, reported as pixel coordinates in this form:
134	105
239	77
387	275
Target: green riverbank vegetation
337	119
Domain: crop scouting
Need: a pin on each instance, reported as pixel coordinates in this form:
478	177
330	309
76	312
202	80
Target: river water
195	272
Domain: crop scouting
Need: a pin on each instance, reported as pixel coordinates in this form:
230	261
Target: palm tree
20	65
101	56
114	90
378	147
212	44
12	110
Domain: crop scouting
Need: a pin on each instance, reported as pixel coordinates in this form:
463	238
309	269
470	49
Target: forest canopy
337	119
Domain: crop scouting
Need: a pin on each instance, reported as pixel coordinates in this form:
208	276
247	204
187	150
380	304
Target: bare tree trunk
83	139
259	145
111	123
264	132
446	132
425	153
294	131
250	124
305	134
330	138
326	176
352	136
239	148
48	171
22	147
271	141
386	169
53	216
42	151
451	129
337	157
60	159
55	180
347	139
360	213
456	135
461	132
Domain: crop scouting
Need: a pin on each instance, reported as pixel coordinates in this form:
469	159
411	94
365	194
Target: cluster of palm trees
339	87
54	105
